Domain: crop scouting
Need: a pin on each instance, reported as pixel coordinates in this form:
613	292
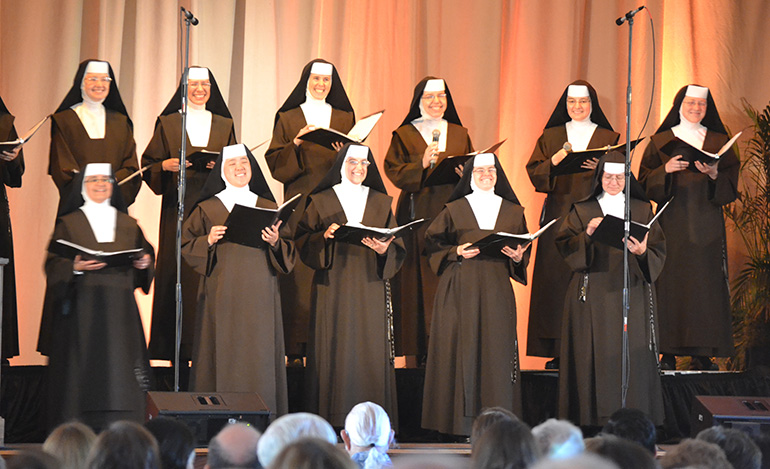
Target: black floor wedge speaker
750	414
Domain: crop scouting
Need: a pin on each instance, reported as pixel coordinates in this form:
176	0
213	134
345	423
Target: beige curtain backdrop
507	63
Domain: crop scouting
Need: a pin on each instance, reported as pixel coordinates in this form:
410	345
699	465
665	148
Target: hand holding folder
245	224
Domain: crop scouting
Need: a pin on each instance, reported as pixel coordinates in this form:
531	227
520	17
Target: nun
239	333
412	154
318	100
590	376
210	128
473	360
91	125
578	121
695	319
98	367
349	354
11	170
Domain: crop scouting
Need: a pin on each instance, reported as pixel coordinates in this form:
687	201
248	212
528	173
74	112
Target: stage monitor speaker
207	413
750	414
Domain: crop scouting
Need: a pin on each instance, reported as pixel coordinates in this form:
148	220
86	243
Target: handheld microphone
567	147
190	17
628	15
436	135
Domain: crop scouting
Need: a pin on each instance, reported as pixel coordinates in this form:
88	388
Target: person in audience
625	453
289	428
70	442
175	440
581	461
124	445
486	418
695	453
558	439
367	435
634	425
235	446
740	450
508	444
312	453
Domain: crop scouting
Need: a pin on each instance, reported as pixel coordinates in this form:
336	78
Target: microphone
628	15
567	147
193	20
436	135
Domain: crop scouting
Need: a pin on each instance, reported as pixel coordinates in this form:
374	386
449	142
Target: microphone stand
189	20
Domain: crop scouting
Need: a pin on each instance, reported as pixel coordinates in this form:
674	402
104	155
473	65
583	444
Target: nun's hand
708	169
270	234
430	155
515	254
142	263
337	146
380	247
329	233
676	164
467	253
10	155
590	163
302	131
592	225
636	247
209	165
79	265
459	169
216	233
172	164
559	156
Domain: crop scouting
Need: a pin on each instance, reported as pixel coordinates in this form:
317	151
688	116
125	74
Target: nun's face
237	171
356	169
97	85
485	177
694	109
613	184
319	85
434	103
198	91
98	187
578	108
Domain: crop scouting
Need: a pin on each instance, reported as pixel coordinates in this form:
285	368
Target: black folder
492	245
68	249
353	234
200	159
444	172
573	163
245	224
689	153
327	137
9	146
611	230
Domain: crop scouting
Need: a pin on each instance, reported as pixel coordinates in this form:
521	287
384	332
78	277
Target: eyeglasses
694	103
353	162
105	180
431	97
613	177
584	101
481	171
95	80
194	84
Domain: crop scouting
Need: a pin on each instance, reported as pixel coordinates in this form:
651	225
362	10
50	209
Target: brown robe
590	369
551	274
239	333
693	290
98	368
72	149
473	359
414	287
165	143
11	172
349	351
300	169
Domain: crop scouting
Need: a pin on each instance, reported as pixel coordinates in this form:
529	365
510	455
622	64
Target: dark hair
632	425
225	454
740	450
124	445
175	441
692	452
624	453
507	444
312	453
487	418
33	459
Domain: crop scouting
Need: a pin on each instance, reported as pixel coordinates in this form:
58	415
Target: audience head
486	418
695	453
624	453
558	439
507	444
633	425
33	459
581	461
235	446
441	461
367	435
289	428
124	445
312	453
175	440
739	449
70	442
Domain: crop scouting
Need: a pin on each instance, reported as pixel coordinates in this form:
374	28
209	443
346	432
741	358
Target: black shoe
552	364
668	362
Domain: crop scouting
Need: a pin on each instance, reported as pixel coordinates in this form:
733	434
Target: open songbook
689	153
9	146
327	137
354	234
245	224
492	245
201	158
611	230
68	249
573	163
444	172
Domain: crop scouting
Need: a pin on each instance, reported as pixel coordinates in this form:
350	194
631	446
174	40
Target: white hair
288	429
558	439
